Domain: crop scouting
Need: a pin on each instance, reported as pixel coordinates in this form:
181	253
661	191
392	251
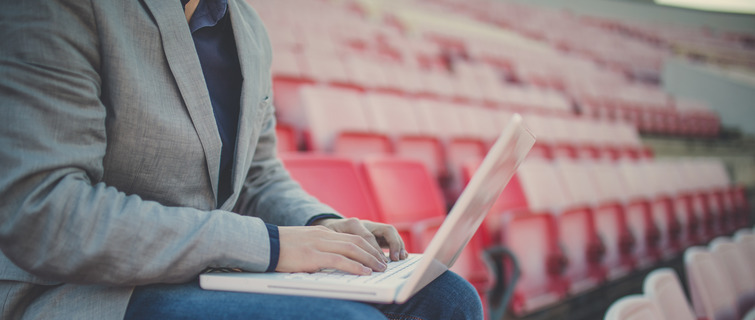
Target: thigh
189	301
447	297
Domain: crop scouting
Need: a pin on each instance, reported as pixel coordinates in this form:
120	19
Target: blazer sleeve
57	220
269	192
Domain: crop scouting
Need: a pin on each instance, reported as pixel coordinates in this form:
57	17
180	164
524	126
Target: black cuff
321	216
275	246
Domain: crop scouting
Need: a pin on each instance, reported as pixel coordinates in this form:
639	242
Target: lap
448	297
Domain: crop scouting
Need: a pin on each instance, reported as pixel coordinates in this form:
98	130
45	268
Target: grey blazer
109	156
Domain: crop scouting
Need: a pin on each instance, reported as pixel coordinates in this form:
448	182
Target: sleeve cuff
322	216
275	248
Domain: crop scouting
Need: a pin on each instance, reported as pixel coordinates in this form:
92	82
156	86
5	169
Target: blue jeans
447	297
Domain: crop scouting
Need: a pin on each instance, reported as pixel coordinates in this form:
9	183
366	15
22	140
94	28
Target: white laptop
403	278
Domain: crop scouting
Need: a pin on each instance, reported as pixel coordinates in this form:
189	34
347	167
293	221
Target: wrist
321	218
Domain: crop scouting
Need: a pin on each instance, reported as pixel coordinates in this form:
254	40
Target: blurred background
644	116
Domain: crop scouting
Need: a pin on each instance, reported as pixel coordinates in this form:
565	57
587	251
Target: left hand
379	235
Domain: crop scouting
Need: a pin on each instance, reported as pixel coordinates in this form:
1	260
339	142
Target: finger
367	235
354	252
340	262
356	227
391	237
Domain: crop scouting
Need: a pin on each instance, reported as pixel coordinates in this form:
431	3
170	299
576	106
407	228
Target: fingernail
383	266
394	256
404	254
366	271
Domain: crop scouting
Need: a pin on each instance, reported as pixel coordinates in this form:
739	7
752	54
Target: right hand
313	248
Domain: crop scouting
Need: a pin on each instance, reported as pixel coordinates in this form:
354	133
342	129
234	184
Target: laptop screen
473	204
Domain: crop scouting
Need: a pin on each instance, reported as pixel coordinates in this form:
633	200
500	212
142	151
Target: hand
379	235
310	249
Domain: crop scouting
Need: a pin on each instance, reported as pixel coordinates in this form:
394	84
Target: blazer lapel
184	63
248	52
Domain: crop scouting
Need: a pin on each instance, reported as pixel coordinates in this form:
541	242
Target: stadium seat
662	197
738	268
634	307
349	133
664	288
533	238
579	235
640	217
407	196
611	220
335	181
713	295
286	136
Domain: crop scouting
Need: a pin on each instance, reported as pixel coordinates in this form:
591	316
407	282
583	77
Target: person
137	149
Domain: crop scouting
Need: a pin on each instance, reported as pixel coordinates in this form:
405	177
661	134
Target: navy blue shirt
211	30
210	27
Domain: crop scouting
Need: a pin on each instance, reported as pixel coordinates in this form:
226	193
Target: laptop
403	278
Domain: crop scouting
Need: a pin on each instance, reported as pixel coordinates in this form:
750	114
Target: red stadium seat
407	196
286	138
335	181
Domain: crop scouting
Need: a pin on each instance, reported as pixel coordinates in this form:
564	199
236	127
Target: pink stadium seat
672	193
541	187
395	116
745	238
611	220
349	133
564	144
649	227
534	240
698	191
664	288
713	295
634	307
721	194
326	68
663	206
407	196
736	265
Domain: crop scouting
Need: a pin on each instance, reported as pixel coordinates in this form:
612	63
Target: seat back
713	295
391	114
577	228
330	112
533	238
634	307
639	214
736	266
405	193
540	185
335	181
663	287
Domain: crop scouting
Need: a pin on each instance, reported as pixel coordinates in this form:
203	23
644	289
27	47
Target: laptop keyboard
396	270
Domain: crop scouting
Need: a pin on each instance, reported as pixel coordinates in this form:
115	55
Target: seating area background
385	108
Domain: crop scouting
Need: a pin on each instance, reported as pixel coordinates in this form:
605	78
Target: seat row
442	135
575	225
720	278
572	225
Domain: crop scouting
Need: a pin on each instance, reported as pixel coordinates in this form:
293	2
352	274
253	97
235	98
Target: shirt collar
207	14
